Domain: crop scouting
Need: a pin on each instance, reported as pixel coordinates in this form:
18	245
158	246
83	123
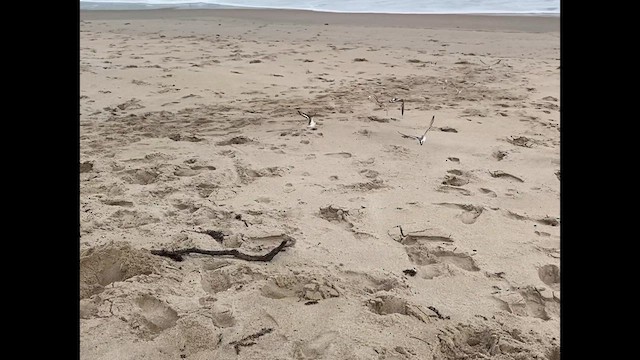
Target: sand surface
394	250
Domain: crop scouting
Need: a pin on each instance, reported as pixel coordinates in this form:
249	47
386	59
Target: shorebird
401	106
422	138
312	123
495	63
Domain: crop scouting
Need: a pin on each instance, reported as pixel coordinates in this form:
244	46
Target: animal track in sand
368	173
488	192
502	174
448	129
185	171
399	151
521	141
419	236
545	220
374	184
247	175
499	154
220	276
155	315
320	347
344	155
368	283
385	304
269	241
421	254
453	180
550	275
492	340
551	252
299	286
118	203
528	301
140	176
336	215
180	137
449	189
237	140
103	265
457	177
470	213
86	166
126	219
196	333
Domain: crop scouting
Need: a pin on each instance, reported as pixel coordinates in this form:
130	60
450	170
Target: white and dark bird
401	101
422	138
311	123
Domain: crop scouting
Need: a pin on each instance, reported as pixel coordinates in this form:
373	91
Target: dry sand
189	123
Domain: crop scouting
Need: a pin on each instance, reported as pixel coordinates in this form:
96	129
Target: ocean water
540	7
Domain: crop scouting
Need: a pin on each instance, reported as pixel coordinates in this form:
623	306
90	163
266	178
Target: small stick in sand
177	254
432	308
247	340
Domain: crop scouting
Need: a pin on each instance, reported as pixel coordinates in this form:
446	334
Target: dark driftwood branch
177	254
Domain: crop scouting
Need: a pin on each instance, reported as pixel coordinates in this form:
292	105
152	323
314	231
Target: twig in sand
177	254
246	341
401	232
417	338
438	313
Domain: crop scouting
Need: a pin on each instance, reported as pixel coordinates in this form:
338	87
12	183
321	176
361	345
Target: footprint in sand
499	155
470	213
528	302
106	264
422	254
544	220
385	304
488	192
155	315
450	189
317	348
550	275
141	176
126	219
368	173
308	287
456	177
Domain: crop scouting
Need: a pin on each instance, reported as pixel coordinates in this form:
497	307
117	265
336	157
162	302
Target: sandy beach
190	137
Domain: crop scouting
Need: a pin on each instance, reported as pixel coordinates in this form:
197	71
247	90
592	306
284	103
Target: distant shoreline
99	6
486	22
